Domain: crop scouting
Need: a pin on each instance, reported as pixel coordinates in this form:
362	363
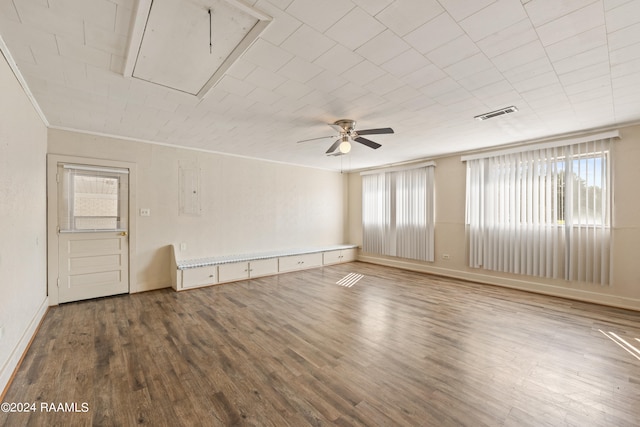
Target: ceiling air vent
496	113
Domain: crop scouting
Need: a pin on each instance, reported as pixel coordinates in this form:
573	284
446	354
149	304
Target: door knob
124	233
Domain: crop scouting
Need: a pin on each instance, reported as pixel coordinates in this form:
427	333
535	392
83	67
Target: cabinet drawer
200	276
263	267
299	262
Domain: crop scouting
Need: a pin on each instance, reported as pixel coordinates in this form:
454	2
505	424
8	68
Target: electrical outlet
145	212
446	256
183	247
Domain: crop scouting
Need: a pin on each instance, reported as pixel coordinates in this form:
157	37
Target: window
543	212
94	199
398	213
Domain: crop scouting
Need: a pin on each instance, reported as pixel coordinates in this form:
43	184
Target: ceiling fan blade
334	146
368	142
374	131
336	154
313	139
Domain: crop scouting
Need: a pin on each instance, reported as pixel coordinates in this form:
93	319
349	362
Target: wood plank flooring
395	349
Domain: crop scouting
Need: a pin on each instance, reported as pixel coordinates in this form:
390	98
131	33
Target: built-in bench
198	272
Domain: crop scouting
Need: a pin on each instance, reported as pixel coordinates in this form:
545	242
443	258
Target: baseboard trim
9	369
520	284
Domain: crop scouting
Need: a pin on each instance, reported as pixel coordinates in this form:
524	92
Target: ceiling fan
347	131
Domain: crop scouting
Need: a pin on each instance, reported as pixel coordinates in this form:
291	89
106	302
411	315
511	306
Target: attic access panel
170	41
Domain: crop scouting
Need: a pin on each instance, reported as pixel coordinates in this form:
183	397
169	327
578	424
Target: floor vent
349	280
496	113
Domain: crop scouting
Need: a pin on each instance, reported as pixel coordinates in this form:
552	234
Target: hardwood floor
395	349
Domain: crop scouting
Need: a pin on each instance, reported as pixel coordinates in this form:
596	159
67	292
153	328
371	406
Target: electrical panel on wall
189	185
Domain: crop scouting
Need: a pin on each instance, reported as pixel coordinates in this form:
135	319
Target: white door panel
92	265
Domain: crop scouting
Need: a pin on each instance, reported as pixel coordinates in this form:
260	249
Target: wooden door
93	249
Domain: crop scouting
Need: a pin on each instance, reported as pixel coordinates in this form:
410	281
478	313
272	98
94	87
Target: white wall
23	144
624	290
247	205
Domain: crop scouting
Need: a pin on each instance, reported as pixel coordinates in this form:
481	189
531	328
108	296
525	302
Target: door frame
52	217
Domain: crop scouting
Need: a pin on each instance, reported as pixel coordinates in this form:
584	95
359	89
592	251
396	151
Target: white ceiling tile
401	94
235	86
493	18
300	70
599	55
624	37
264	96
307	43
98	12
107	41
543	11
8	11
327	81
363	73
623	16
320	14
498	95
355	29
628	67
470	65
529	70
79	52
611	4
576	22
454	51
585	73
453	97
267	55
601	84
338	59
282	25
292	89
579	43
241	68
620	56
373	6
481	79
461	9
384	84
520	56
405	63
46	20
434	33
510	38
349	92
124	17
537	82
440	87
424	76
383	47
404	16
117	64
22	53
266	79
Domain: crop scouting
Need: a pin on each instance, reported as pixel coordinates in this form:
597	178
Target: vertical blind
398	213
544	212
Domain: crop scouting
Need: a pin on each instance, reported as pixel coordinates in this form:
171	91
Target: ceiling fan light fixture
344	146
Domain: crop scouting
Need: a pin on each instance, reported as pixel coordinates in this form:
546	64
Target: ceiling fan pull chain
210	26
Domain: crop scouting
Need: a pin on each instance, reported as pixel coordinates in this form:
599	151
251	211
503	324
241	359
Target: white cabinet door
332	257
348	255
263	267
201	276
233	271
299	262
335	257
